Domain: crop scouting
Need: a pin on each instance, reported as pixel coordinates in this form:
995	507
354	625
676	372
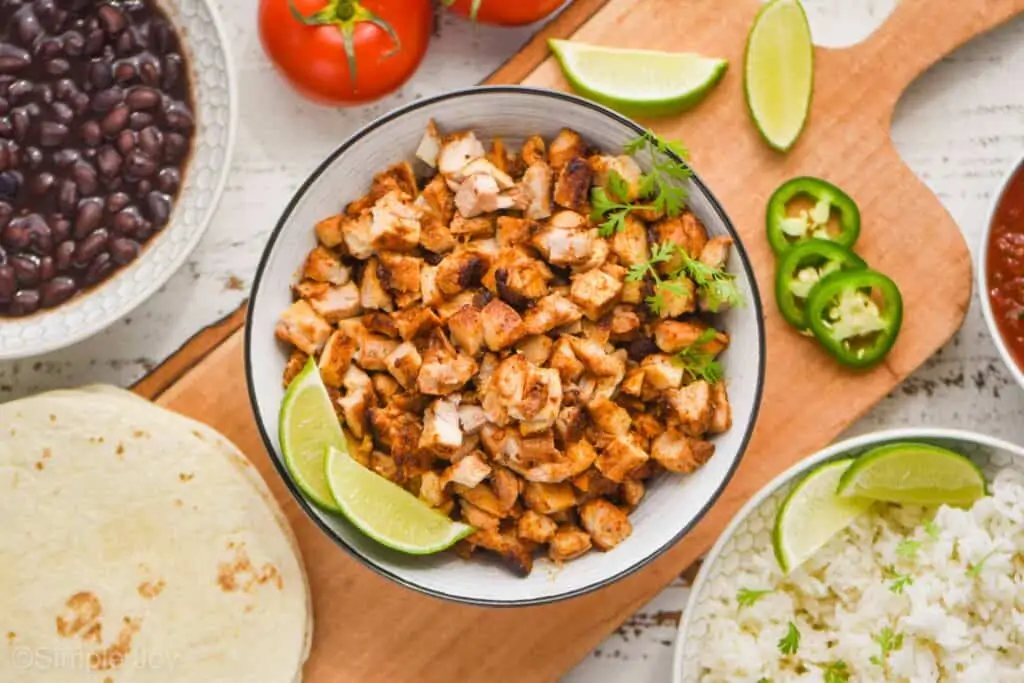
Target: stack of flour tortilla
139	546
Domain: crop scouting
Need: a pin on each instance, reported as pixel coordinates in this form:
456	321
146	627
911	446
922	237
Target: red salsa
1006	266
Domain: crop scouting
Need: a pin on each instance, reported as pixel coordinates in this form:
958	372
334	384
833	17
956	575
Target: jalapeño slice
801	268
811	208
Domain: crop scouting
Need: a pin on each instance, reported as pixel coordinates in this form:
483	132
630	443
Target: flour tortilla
140	547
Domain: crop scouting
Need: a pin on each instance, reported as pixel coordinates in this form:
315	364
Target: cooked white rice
961	618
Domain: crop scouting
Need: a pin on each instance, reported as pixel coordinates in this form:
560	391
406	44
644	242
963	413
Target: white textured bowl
673	504
982	271
752	526
213	86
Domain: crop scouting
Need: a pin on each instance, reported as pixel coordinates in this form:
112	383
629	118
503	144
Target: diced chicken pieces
481	495
395	225
607	525
371	292
598	256
436	207
399	178
336	358
633	292
596	359
328	231
564	246
536	348
356	233
572	187
673	336
504	445
503	327
415	321
431	490
355	406
630	244
534	150
568	543
504	389
578	458
661	372
356	380
334	303
514	552
715	253
626	168
625	323
400	272
373	352
378	322
471	418
633	491
457	151
486	167
430	293
621	457
550	312
302	327
385	386
721	417
549	498
564	360
296	362
678	452
384	465
430	145
609	416
467	330
469	472
461	270
443	376
692	406
464	226
404	364
476	517
479	194
566	146
507	487
514	231
541	400
519	279
685	232
536	527
595	292
633	383
675	304
323	265
535	190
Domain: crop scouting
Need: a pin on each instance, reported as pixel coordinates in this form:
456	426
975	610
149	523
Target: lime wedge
778	73
812	514
386	512
308	425
914	473
638	82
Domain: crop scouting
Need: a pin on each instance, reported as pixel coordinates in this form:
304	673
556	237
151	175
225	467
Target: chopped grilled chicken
572	187
516	553
535	190
685	232
303	328
503	327
595	292
633	292
471	418
540	403
507	487
535	527
449	307
378	323
692	407
505	389
481	519
578	457
593	484
549	498
609	416
568	543
564	360
384	465
355	406
442	376
563	245
481	494
566	146
399	272
479	194
336	358
721	417
385	386
630	244
468	472
661	373
461	270
457	151
373	350
598	256
323	265
536	348
399	178
625	167
647	425
431	490
673	336
487	168
538	449
518	278
625	323
504	445
676	304
632	492
296	362
677	452
464	226
395	225
436	207
332	302
371	292
534	150
620	457
356	231
633	382
415	322
514	231
430	145
596	359
328	231
467	330
430	293
607	525
715	253
404	364
550	312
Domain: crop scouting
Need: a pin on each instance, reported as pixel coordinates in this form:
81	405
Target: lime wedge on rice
812	514
778	72
386	512
638	82
916	474
307	426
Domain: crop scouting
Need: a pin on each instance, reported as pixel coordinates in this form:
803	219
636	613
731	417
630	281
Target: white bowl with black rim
673	505
208	61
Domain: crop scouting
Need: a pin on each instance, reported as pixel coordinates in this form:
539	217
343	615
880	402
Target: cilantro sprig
718	287
747	597
790	643
697	360
836	672
888	642
974	569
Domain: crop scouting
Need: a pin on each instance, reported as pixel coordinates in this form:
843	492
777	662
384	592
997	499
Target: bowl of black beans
113	154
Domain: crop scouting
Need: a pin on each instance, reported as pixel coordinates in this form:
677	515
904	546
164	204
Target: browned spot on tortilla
198	435
248	608
114	656
178	502
186	476
94	634
39	465
11	635
84	608
53	418
241	575
140	433
151	589
120	449
47	454
108	679
668	617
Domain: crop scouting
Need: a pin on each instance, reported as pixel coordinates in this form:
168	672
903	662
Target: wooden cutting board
370	630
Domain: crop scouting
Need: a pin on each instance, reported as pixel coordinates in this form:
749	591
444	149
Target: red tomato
504	12
306	40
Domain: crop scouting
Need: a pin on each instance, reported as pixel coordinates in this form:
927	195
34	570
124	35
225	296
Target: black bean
160	35
113	184
125	71
39	234
91	133
64	89
112	19
125	141
175	147
149	70
27	25
100	75
24	302
117	201
57	67
108	161
127	221
89	216
79	102
85	177
26	269
62	112
173	67
20	121
106	100
138	165
60	227
46	268
52	134
142	98
67	196
89	248
151	141
33	110
144	232
6	213
48	48
57	291
6	157
6	128
178	117
62	257
74	44
13	59
15	234
124	250
8	283
115	121
94	42
10	181
19	90
5	106
32	157
168	180
139	120
143	188
158	208
126	44
44	92
41	184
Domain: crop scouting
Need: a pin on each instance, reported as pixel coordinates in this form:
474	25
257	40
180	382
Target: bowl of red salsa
1001	275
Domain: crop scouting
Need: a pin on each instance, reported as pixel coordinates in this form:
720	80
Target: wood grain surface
370	630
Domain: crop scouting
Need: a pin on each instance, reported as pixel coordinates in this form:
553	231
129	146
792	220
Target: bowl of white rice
905	594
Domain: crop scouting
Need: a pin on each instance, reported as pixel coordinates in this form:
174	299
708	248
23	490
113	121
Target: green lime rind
386	512
642	83
307	425
754	83
812	514
914	474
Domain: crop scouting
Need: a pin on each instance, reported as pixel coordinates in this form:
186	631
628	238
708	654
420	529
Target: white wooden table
960	128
